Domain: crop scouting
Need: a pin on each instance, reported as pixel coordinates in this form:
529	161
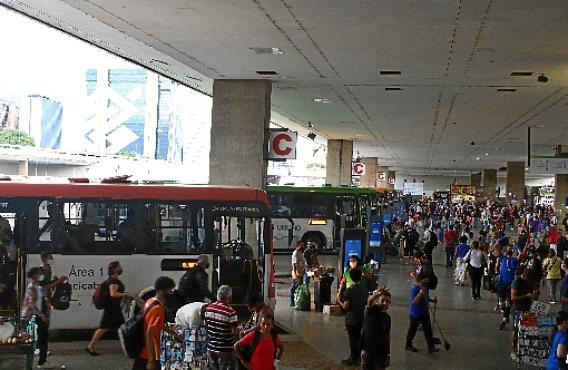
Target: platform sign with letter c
359	169
282	145
381	176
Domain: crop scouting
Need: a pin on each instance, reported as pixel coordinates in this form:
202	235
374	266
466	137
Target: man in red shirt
451	237
154	323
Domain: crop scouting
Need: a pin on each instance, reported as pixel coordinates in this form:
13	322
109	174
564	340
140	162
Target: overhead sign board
391	180
359	169
463	192
549	165
413	188
381	176
282	144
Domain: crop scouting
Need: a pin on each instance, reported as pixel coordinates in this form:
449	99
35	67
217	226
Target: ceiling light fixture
310	124
506	89
390	73
521	74
322	100
393	88
267	51
158	61
477	158
542	78
486	154
267	73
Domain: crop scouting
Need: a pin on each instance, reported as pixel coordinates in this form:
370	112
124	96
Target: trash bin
322	291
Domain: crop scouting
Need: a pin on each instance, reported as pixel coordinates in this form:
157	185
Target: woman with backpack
264	348
112	291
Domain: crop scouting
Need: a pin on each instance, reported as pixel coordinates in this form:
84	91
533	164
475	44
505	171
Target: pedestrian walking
420	315
506	266
475	260
375	336
154	324
551	268
114	292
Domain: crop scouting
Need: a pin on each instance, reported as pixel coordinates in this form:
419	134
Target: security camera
472	143
542	78
312	136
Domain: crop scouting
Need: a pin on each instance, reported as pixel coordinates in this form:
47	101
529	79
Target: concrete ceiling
454	56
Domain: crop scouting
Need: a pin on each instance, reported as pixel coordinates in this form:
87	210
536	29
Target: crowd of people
514	252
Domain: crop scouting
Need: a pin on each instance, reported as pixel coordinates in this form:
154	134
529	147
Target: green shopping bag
302	298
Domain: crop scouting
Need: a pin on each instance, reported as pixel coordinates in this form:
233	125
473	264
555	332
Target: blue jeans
295	284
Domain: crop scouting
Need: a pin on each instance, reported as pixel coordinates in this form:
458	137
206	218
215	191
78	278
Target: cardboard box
332	310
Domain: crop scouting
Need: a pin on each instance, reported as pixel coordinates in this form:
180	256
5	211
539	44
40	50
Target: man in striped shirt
221	322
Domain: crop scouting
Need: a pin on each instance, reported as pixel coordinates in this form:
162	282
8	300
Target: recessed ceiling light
477	158
390	73
486	153
521	74
506	89
322	100
267	51
394	88
267	73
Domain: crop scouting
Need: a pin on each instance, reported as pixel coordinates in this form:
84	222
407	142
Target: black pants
140	364
42	334
476	274
426	326
354	333
450	255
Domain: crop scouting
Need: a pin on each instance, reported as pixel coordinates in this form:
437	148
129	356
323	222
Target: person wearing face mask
193	286
47	283
154	324
346	281
375	336
112	313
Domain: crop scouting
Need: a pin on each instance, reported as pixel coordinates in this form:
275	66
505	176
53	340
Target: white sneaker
36	352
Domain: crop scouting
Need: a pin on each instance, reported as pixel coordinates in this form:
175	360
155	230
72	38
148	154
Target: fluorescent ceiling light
267	51
322	100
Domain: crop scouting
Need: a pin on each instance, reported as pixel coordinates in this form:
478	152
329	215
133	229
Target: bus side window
172	226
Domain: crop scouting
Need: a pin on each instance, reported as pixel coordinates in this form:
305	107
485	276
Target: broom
447	344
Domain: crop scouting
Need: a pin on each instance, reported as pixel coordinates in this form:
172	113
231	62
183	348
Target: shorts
504	290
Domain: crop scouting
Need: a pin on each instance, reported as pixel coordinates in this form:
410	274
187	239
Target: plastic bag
302	298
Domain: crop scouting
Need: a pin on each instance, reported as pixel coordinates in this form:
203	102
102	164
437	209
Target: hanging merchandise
534	331
189	355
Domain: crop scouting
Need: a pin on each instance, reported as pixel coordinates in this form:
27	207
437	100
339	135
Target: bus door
13	247
239	252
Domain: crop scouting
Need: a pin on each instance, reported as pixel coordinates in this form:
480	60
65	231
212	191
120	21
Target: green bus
318	213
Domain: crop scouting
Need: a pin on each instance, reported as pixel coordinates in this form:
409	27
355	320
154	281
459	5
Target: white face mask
353	264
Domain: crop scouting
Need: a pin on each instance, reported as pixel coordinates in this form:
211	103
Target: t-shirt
552	266
113	304
357	296
522	287
220	318
449	236
420	309
376	331
298	259
462	250
559	338
263	355
564	292
507	268
155	317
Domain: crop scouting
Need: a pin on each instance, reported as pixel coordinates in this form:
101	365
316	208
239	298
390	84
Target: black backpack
433	239
61	296
433	281
131	333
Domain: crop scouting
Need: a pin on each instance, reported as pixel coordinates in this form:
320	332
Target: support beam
23	168
475	179
515	181
369	179
384	183
240	120
338	162
490	183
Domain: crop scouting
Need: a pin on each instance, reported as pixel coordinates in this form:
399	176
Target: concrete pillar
490	183
391	178
23	168
338	162
475	179
515	181
561	191
240	119
369	179
384	183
